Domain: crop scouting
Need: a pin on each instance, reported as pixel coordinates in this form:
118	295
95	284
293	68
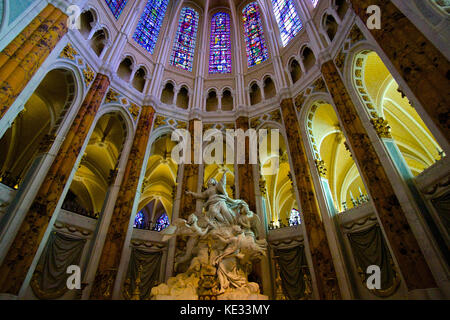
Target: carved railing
286	223
9	180
75	207
356	202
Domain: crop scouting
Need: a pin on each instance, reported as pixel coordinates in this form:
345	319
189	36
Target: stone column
423	67
21	252
245	171
20	60
324	269
410	259
190	179
117	231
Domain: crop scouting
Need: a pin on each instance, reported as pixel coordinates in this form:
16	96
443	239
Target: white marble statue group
223	238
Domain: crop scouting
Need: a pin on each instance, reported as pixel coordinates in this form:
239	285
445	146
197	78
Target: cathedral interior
92	92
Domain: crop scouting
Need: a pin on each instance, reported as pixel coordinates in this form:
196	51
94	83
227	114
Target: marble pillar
115	239
324	269
423	67
410	259
20	60
245	171
26	242
190	180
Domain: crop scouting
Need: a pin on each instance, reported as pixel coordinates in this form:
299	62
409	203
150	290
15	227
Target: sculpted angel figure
219	206
248	220
240	250
188	228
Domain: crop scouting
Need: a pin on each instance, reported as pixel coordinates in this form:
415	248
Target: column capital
106	70
150	100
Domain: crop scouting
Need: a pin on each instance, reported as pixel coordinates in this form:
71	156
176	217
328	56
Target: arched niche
125	69
330	26
255	93
278	192
98	41
384	100
183	98
87	21
139	79
334	160
168	93
227	100
35	124
309	59
269	88
295	71
160	175
212	101
98	167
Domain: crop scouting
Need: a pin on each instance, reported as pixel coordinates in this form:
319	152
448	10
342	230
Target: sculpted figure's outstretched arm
222	184
196	195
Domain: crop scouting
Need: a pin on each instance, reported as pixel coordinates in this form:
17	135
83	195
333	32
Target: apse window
184	45
116	6
254	35
149	25
220	46
287	19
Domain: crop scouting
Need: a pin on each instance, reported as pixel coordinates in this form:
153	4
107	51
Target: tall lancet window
184	45
287	18
254	35
116	6
314	2
220	46
149	25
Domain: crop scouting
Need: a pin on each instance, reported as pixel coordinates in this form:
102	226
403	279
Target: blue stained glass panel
294	218
116	6
287	19
220	46
254	35
139	220
162	222
184	44
149	25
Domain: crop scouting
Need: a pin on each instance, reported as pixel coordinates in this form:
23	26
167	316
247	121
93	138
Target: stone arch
35	127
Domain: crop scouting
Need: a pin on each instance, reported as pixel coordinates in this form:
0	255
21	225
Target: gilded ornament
134	111
382	127
276	115
255	122
68	52
89	75
159	121
111	96
320	164
356	35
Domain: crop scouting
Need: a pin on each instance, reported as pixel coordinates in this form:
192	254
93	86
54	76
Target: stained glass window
149	25
220	46
287	18
116	6
162	222
314	2
139	221
184	45
294	218
254	35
